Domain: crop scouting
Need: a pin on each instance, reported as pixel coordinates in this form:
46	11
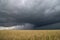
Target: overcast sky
29	14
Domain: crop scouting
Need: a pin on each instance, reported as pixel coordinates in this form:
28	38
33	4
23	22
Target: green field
29	34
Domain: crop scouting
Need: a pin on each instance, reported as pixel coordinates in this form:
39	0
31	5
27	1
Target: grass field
29	34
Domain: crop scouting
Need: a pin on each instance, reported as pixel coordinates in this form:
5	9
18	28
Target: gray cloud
51	26
25	26
35	12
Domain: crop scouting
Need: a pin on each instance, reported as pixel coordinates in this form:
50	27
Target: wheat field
29	34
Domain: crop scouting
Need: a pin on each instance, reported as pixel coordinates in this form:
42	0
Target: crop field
29	34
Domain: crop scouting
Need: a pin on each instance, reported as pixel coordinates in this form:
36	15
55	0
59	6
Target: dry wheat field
29	34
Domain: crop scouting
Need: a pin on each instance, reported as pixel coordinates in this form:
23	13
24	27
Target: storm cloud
35	13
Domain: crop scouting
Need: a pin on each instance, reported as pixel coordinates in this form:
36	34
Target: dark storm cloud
51	26
35	12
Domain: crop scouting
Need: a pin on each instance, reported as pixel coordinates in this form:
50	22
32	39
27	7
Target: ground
29	34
